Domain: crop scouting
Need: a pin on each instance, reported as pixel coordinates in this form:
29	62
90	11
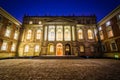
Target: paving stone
59	69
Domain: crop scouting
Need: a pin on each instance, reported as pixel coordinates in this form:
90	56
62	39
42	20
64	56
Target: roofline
110	15
9	16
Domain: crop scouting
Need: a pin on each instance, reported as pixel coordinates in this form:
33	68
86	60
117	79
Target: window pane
67	33
110	33
38	34
16	35
80	34
51	48
13	48
8	32
26	49
90	34
59	33
4	46
51	35
29	33
81	48
37	48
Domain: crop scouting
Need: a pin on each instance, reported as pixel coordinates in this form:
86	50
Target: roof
110	15
9	16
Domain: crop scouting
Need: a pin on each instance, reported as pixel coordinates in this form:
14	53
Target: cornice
9	16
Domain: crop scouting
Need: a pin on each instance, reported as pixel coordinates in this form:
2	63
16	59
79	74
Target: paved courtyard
59	69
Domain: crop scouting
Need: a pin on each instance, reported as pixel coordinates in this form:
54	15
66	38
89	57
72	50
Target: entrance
59	49
67	49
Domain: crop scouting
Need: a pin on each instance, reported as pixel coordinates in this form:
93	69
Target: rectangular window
4	45
16	35
37	48
101	35
81	48
8	32
13	48
113	46
108	23
110	33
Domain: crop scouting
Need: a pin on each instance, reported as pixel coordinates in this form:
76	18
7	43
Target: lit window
29	33
37	48
26	49
4	45
101	35
16	35
39	22
67	33
80	34
108	23
90	34
100	28
51	35
110	33
38	34
59	35
51	48
13	48
8	32
30	22
81	48
119	16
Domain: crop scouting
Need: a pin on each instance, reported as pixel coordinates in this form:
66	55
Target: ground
59	69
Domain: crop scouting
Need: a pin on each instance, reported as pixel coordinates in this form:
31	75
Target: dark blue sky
18	8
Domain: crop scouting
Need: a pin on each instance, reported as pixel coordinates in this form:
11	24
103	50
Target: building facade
109	29
9	34
58	36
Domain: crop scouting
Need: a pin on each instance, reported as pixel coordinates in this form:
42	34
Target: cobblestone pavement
59	69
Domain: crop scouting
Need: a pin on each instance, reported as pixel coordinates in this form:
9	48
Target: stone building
58	36
9	34
109	29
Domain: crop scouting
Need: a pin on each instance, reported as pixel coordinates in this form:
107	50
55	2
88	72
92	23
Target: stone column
71	33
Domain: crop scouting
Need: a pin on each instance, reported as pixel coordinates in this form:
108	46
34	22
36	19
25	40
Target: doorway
59	49
67	49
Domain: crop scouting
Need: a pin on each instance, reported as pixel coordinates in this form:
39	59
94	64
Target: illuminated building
58	36
109	29
9	34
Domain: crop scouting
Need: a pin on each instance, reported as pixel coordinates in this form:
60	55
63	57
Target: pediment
61	19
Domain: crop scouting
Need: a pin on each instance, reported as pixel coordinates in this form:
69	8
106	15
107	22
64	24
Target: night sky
18	8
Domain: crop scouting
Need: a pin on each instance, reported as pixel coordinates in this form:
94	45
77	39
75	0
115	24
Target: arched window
26	49
67	34
80	34
51	48
29	33
37	48
59	35
38	34
51	33
90	34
